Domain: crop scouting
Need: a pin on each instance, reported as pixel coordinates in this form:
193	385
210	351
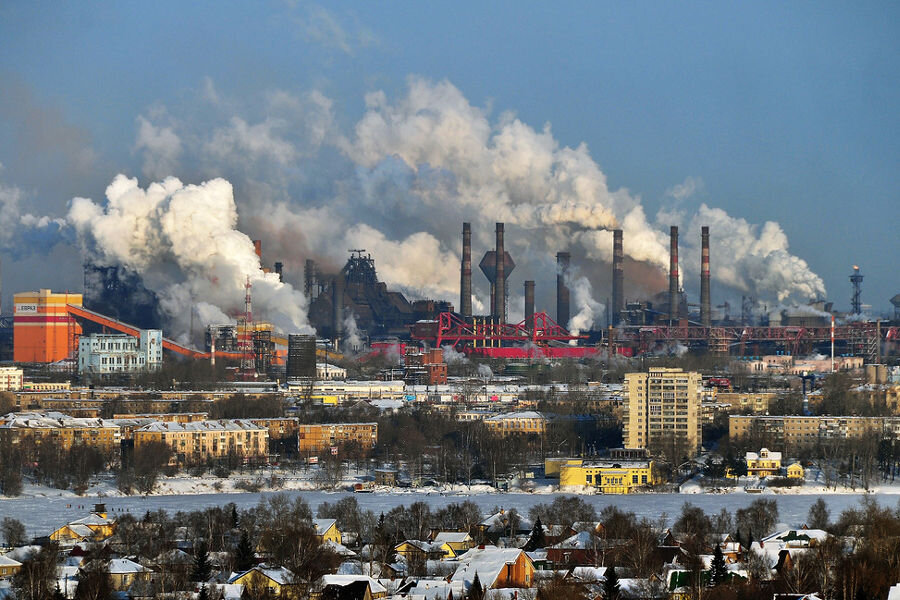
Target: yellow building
607	476
327	531
766	462
62	430
793	432
795	471
753	403
517	423
454	543
8	567
663	411
124	572
200	440
96	527
277	582
313	438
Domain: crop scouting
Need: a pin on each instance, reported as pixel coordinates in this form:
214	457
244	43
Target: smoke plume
183	242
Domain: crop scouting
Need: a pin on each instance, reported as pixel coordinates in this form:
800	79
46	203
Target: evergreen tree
57	593
719	570
244	559
611	584
202	568
476	592
234	516
537	538
203	594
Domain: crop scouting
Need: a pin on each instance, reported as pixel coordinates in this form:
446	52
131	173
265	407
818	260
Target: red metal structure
538	336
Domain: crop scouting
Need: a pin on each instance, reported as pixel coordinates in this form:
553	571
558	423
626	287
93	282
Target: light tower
856	281
245	338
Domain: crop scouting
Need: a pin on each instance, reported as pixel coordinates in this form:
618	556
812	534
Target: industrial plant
352	311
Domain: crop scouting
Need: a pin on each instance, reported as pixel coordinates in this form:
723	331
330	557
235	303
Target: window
589	478
634	479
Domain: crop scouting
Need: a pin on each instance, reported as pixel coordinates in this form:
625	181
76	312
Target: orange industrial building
43	329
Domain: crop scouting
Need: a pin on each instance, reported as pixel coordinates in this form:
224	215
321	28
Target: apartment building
663	411
201	440
11	379
754	403
517	423
314	438
794	431
104	354
61	430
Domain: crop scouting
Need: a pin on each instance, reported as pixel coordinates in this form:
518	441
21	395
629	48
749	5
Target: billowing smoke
452	356
20	231
485	371
589	310
183	242
352	339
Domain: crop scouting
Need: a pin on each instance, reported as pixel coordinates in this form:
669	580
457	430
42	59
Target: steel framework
485	332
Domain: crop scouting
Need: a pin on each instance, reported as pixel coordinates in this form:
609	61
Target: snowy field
41	515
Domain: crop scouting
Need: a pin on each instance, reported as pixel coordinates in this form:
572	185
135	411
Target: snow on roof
452	537
123	565
488	562
323	525
8	562
93	519
770	454
525	414
222	425
54	420
589	573
806	535
343	580
580	541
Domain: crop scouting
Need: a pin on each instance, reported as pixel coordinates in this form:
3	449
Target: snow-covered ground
43	509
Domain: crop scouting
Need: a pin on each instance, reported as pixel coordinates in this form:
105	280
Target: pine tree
476	592
202	567
244	559
57	593
611	584
234	516
537	538
203	594
719	570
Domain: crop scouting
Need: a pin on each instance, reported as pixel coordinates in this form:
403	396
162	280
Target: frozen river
42	515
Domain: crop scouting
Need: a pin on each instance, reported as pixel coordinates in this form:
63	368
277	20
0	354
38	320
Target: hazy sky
773	111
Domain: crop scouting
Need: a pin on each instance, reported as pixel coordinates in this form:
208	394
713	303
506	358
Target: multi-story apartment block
663	411
61	430
517	423
201	440
11	379
756	403
313	438
791	432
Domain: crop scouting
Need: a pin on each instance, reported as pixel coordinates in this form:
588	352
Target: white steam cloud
182	240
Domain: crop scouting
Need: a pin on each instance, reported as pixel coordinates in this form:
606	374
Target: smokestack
705	319
309	278
257	247
500	284
279	267
562	290
529	304
618	291
673	274
465	284
337	307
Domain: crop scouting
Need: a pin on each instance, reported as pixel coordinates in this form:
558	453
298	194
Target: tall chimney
337	307
673	274
279	268
309	279
529	304
257	247
465	283
562	290
500	284
618	291
705	319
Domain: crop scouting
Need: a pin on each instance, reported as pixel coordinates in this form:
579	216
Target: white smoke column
485	371
452	357
589	310
352	339
182	240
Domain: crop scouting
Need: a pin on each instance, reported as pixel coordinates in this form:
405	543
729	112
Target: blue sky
784	111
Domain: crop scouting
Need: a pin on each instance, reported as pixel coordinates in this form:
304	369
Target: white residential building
103	354
11	379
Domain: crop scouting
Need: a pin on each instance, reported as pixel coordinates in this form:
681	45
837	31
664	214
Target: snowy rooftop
526	414
224	425
488	562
